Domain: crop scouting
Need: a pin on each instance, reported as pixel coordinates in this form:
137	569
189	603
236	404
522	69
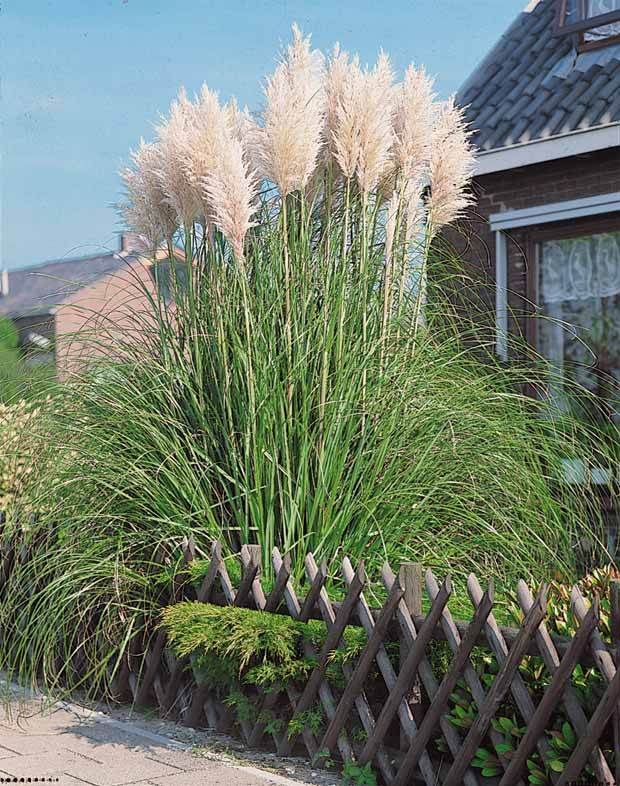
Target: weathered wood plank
325	692
538	723
453	637
598	721
407	672
497	691
407	721
356	683
572	705
425	670
440	701
498	645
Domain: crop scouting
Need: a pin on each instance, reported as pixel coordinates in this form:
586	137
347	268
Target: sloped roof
37	290
534	84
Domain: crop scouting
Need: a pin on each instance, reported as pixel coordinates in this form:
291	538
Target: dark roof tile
534	84
37	290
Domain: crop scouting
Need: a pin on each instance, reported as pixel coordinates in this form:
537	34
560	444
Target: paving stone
101	750
127	769
25	744
217	775
44	765
184	760
33	721
99	731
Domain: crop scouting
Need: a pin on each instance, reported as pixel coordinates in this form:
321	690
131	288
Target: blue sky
82	81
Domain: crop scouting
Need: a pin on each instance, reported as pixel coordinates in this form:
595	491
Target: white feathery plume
451	167
376	131
231	185
338	78
345	122
174	137
290	140
414	116
247	131
199	150
147	211
363	134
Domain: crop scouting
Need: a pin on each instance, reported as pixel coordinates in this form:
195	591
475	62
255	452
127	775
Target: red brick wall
554	181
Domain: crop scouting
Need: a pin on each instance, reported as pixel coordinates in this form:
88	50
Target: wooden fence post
614	624
410	576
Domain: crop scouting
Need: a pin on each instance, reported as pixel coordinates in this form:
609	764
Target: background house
58	304
545	106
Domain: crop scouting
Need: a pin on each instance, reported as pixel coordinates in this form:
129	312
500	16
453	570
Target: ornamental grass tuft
301	379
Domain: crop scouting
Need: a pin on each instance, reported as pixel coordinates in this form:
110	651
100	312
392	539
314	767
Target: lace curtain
581	268
579	291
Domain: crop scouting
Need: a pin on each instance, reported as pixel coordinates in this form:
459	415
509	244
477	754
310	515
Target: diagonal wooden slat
440	701
571	702
277	593
407	721
598	721
498	645
499	688
178	666
355	684
426	673
310	601
250	572
252	556
600	652
470	675
325	691
361	702
204	592
407	672
334	635
551	698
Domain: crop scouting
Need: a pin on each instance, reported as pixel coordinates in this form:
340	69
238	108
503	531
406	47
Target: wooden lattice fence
392	712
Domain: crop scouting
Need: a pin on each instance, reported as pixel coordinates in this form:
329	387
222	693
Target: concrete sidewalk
73	746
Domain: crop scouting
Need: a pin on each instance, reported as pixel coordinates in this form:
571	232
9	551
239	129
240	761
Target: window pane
600	7
596	8
593	8
579	298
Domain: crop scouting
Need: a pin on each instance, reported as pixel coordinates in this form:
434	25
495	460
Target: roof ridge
63	260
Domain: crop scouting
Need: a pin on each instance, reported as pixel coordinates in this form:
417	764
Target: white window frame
506	220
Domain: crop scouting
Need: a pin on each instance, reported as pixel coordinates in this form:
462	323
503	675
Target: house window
595	20
578	295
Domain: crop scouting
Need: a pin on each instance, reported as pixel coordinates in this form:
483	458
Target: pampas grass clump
303	384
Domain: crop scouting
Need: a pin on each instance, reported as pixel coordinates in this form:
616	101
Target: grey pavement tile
127	768
217	775
43	765
24	744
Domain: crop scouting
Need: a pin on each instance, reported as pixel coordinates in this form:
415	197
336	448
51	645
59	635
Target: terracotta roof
37	290
534	84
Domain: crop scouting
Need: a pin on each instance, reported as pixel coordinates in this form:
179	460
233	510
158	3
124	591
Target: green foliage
8	334
312	719
228	644
300	419
236	634
354	774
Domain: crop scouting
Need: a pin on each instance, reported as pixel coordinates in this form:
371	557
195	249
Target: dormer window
596	21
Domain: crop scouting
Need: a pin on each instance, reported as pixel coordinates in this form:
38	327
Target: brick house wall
92	322
554	181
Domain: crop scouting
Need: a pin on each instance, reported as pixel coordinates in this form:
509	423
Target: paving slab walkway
72	746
